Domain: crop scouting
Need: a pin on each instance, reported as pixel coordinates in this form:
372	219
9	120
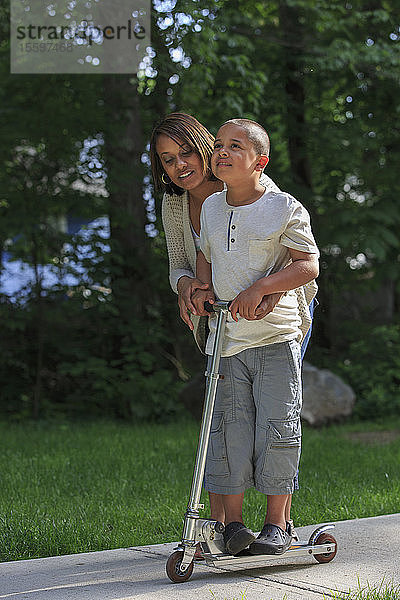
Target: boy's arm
203	268
203	272
303	268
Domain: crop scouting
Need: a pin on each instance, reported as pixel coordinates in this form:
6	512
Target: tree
323	79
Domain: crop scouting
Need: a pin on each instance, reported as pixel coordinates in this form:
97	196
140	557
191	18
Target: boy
254	243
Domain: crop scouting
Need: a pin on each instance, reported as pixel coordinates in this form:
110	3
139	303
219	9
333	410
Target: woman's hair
184	130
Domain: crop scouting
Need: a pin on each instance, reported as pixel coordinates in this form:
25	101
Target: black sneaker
291	531
237	537
271	540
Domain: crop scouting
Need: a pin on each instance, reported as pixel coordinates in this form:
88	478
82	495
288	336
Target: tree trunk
294	49
40	325
127	211
293	36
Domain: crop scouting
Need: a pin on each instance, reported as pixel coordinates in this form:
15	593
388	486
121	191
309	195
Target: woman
180	152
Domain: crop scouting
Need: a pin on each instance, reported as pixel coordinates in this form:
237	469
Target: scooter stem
192	513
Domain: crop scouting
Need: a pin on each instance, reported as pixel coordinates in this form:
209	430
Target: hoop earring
163	180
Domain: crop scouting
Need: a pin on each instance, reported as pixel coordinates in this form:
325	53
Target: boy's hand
267	305
198	299
246	303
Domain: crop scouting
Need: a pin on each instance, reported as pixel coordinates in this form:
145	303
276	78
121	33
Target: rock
326	397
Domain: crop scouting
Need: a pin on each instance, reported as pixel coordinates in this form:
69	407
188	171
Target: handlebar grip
208	307
219	305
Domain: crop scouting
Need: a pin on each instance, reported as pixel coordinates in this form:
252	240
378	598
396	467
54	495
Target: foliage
372	367
93	362
319	80
386	590
105	337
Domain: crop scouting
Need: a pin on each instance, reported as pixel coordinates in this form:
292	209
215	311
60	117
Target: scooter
207	532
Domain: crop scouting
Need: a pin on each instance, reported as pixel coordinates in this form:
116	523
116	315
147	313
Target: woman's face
181	163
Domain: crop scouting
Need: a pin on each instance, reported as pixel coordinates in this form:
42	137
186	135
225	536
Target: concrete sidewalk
368	552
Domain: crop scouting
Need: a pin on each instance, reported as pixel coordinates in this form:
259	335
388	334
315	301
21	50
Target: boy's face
234	157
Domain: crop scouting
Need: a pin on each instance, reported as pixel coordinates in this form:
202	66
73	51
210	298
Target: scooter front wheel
326	538
173	568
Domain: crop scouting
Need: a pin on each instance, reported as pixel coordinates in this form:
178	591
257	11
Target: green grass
384	591
67	488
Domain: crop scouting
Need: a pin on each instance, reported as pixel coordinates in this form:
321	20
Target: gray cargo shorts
255	438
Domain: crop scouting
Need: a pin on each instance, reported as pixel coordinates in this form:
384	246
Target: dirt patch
374	437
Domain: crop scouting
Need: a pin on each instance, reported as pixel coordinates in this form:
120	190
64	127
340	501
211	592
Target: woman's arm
187	287
268	183
181	276
203	272
179	265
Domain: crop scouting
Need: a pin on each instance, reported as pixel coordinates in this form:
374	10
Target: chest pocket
261	254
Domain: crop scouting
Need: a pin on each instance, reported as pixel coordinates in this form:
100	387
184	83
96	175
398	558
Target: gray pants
255	436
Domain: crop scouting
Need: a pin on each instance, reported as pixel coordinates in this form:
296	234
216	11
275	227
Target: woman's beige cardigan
182	256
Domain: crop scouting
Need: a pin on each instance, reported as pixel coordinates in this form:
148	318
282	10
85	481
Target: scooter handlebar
218	305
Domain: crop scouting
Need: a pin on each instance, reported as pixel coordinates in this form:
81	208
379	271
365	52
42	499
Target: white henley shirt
245	243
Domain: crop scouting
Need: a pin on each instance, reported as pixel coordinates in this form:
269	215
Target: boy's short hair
256	134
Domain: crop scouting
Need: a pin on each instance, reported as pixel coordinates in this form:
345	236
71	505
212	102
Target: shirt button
232	240
233	226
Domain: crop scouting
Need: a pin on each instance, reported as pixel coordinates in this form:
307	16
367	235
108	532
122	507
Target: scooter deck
247	559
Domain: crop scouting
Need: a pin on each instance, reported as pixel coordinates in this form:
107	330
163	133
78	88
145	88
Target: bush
92	362
372	368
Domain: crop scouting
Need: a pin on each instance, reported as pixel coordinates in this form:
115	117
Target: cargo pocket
283	446
217	462
261	254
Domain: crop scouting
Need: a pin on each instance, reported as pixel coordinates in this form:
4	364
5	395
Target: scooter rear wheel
173	568
325	538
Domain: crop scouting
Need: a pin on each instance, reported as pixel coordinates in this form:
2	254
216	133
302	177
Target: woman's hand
186	288
267	305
